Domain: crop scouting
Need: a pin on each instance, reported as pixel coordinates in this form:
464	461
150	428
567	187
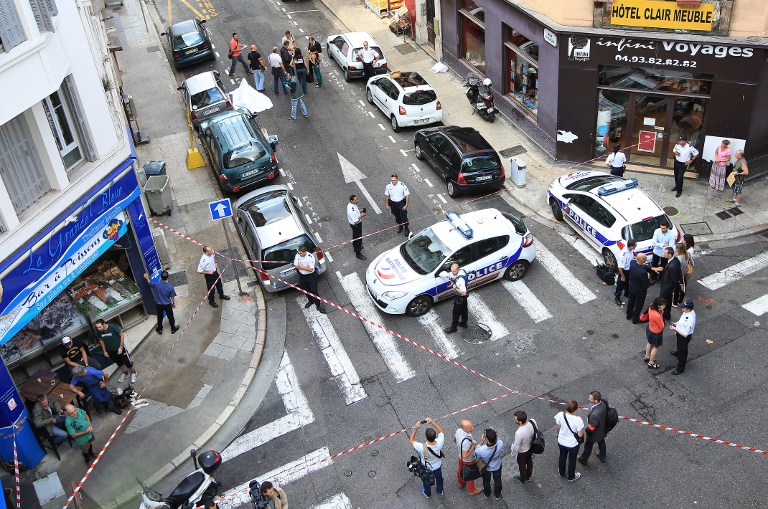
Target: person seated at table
95	383
50	415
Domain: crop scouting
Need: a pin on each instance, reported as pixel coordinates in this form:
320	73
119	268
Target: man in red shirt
235	54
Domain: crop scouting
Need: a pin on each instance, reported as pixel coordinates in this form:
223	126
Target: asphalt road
584	345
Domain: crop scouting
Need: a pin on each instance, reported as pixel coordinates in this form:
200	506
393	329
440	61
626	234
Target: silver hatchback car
204	96
272	228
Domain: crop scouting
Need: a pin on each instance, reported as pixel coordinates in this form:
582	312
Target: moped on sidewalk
480	96
196	486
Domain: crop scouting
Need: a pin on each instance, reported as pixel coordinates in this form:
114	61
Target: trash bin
158	193
153	168
518	172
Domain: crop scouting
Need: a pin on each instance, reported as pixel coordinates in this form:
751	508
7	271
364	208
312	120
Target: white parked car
607	211
345	49
205	97
487	244
405	98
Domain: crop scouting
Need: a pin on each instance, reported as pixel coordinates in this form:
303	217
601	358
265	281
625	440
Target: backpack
611	418
537	442
605	274
292	86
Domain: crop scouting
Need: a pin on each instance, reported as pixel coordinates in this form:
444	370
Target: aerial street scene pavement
339	254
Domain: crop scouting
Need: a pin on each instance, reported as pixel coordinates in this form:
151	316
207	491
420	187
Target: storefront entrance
430	17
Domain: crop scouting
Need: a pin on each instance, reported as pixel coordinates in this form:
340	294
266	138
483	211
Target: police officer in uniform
355	219
684	332
396	198
622	282
458	279
304	261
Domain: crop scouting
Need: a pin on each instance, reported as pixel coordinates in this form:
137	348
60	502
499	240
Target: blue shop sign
39	273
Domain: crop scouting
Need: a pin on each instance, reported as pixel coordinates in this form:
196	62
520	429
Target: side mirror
163	33
180	87
442	274
203	20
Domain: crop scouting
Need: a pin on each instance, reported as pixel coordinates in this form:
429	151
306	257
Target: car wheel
453	191
419	306
347	77
417	151
369	96
556	210
516	270
395	127
609	259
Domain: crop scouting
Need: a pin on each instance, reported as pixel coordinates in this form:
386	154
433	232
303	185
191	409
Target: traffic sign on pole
220	209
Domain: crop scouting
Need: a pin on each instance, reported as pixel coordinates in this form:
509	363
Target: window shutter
11	32
52	7
20	165
42	15
70	94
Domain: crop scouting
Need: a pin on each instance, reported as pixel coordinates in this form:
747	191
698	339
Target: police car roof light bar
459	223
616	187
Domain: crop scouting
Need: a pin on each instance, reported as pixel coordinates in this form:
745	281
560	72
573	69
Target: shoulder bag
482	465
468	472
537	442
579	439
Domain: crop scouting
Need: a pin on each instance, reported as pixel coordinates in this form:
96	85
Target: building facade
579	76
74	234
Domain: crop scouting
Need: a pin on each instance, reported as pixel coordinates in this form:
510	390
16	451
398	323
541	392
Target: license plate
249	173
210	111
421	121
484	177
193	50
287	272
490	110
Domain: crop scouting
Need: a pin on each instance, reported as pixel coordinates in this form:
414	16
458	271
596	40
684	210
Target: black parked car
462	157
189	43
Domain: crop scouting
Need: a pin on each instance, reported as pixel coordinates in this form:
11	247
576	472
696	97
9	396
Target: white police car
487	244
607	211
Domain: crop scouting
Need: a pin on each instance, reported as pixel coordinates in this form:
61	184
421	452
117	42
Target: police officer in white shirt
684	157
369	56
355	218
396	198
684	331
622	282
304	261
458	279
209	268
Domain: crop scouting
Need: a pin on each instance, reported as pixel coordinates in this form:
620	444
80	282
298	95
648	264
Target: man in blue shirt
95	382
662	237
490	450
165	301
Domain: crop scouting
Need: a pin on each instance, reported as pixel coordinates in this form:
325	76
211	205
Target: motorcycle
480	96
196	486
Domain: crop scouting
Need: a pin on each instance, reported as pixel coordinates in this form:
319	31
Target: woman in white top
569	426
616	161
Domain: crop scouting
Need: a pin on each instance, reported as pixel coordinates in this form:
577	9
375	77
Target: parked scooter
480	96
191	490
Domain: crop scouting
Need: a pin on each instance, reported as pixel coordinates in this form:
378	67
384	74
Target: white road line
428	183
582	246
758	307
385	343
405	154
333	351
288	16
338	501
309	220
318	237
431	322
302	31
416	168
293	471
282	172
391	138
296	404
330	258
483	314
563	276
290	186
361	102
382	127
441	198
370	113
527	300
735	272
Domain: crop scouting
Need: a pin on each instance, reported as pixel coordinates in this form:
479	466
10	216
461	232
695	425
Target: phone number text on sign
656	61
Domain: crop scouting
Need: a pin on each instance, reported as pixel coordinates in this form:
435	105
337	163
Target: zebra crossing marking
735	272
563	276
527	300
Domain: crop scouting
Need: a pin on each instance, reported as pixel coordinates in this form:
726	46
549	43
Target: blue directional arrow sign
220	209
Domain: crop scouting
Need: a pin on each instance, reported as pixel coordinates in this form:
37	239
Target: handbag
731	179
579	439
469	472
482	465
689	269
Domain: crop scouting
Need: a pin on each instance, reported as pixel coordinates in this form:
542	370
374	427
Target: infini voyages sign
662	14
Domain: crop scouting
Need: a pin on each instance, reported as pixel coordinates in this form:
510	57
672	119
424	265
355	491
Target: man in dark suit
595	431
671	278
638	284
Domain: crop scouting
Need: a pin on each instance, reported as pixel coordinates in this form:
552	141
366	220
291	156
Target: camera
414	465
364	210
259	500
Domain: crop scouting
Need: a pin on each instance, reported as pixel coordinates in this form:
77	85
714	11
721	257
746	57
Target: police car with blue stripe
487	244
607	211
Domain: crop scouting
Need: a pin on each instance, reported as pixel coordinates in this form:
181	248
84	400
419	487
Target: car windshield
243	155
283	254
520	227
643	230
424	252
187	40
419	97
479	163
206	98
590	183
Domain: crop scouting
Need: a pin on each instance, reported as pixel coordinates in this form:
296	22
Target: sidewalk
701	212
215	364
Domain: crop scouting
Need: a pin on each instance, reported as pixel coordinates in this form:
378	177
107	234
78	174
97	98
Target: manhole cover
671	211
476	335
696	228
405	48
735	211
178	278
229	273
723	214
513	151
153	49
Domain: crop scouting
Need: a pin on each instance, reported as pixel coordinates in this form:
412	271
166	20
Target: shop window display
522	70
473	35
